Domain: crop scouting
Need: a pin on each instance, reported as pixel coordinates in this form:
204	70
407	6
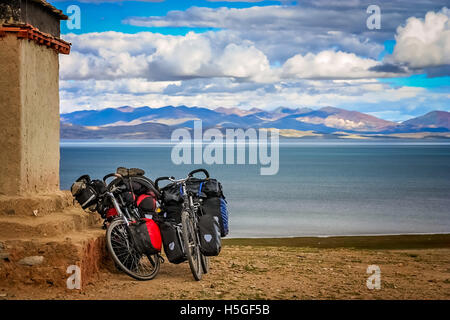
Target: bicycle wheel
136	265
191	245
205	263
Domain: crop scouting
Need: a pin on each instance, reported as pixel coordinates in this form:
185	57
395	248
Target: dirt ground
279	272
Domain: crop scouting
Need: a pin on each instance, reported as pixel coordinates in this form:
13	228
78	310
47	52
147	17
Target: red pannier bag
146	236
111	213
147	202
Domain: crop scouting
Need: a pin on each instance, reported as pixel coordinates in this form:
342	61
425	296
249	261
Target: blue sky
261	54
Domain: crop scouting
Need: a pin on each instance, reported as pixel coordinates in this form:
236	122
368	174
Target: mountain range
158	123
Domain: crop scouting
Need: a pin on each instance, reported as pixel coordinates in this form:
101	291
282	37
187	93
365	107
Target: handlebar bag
83	192
217	207
204	187
195	186
172	192
212	188
173	246
146	236
209	231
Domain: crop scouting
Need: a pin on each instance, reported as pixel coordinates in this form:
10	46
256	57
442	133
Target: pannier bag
172	211
111	213
209	231
173	246
217	207
146	236
84	192
147	202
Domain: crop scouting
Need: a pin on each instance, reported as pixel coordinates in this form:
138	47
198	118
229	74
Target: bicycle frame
123	214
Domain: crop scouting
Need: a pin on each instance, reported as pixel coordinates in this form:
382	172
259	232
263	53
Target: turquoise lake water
322	188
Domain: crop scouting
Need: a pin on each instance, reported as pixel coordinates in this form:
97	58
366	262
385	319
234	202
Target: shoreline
399	241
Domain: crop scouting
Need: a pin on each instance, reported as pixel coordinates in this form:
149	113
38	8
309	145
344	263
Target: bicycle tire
193	256
124	264
205	263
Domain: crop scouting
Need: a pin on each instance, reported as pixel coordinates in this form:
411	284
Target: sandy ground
259	271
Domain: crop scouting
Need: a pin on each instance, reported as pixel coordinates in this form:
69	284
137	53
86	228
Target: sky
264	54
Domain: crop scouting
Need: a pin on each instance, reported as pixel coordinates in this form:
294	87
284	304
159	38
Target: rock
2	246
31	261
4	255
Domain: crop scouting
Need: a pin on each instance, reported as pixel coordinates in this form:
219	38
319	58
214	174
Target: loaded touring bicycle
188	203
127	204
187	217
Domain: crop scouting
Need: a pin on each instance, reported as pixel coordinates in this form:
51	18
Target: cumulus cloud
115	55
424	42
330	64
281	31
315	54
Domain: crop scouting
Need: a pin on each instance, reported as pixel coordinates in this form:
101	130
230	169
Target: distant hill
433	119
152	123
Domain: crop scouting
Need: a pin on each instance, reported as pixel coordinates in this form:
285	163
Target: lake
322	188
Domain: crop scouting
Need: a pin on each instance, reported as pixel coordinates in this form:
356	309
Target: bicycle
118	237
198	263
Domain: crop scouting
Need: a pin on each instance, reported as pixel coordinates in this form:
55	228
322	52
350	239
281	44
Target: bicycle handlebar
190	175
161	179
205	172
109	176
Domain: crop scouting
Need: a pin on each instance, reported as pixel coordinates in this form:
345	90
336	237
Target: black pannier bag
209	231
172	192
84	192
172	211
217	207
147	236
173	245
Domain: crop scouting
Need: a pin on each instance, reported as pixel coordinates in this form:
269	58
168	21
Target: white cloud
424	42
216	92
115	55
330	64
279	31
262	57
